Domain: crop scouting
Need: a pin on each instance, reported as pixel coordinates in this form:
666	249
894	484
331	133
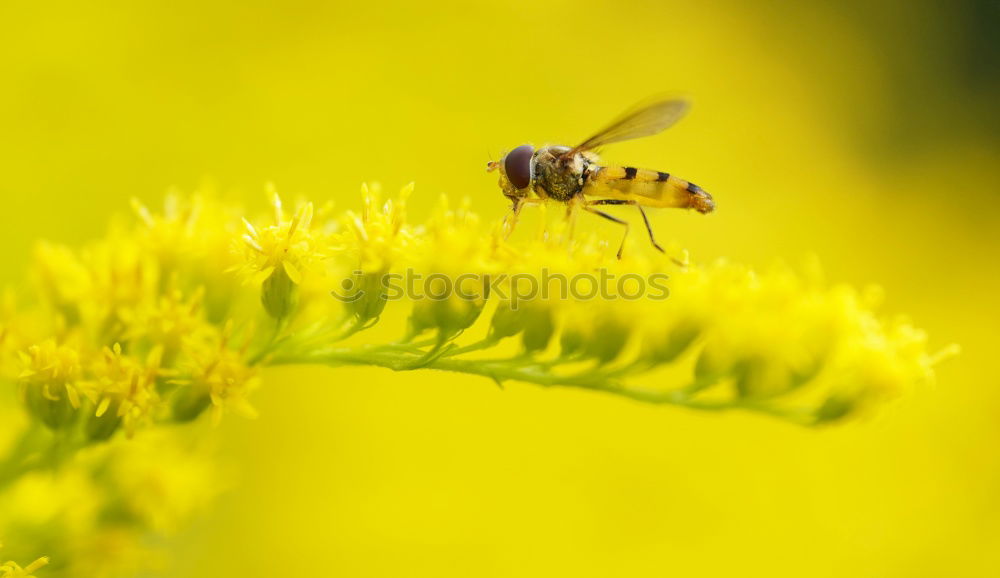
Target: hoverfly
574	176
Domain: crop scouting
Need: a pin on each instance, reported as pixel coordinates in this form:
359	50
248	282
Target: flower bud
539	327
366	294
54	410
667	346
507	321
760	377
608	337
836	407
713	363
190	401
101	425
449	316
422	317
449	305
571	341
279	294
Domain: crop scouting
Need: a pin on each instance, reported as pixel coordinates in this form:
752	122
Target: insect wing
642	120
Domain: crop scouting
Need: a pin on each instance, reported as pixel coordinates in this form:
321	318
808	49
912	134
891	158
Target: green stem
477	346
499	371
271	344
304	338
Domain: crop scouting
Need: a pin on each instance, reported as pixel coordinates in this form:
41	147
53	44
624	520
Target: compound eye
517	165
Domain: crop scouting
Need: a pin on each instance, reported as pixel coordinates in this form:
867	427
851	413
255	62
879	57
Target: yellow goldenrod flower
378	236
167	322
218	377
372	243
50	382
192	241
288	244
278	255
171	235
123	390
457	267
123	277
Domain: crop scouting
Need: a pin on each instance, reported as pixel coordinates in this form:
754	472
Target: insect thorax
557	178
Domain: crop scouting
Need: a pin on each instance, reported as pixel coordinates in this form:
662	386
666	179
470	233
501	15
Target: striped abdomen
649	188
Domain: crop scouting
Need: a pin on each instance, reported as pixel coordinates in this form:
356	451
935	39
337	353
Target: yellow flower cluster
716	336
174	318
148	326
131	330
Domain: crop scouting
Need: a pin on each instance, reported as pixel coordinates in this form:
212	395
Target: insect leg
570	218
645	220
611	202
511	220
590	209
649	229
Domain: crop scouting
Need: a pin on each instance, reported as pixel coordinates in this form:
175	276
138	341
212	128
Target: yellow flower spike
778	341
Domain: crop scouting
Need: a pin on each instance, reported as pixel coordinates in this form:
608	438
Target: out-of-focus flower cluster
96	513
173	317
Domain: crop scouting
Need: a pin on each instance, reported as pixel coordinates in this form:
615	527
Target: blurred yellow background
864	132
